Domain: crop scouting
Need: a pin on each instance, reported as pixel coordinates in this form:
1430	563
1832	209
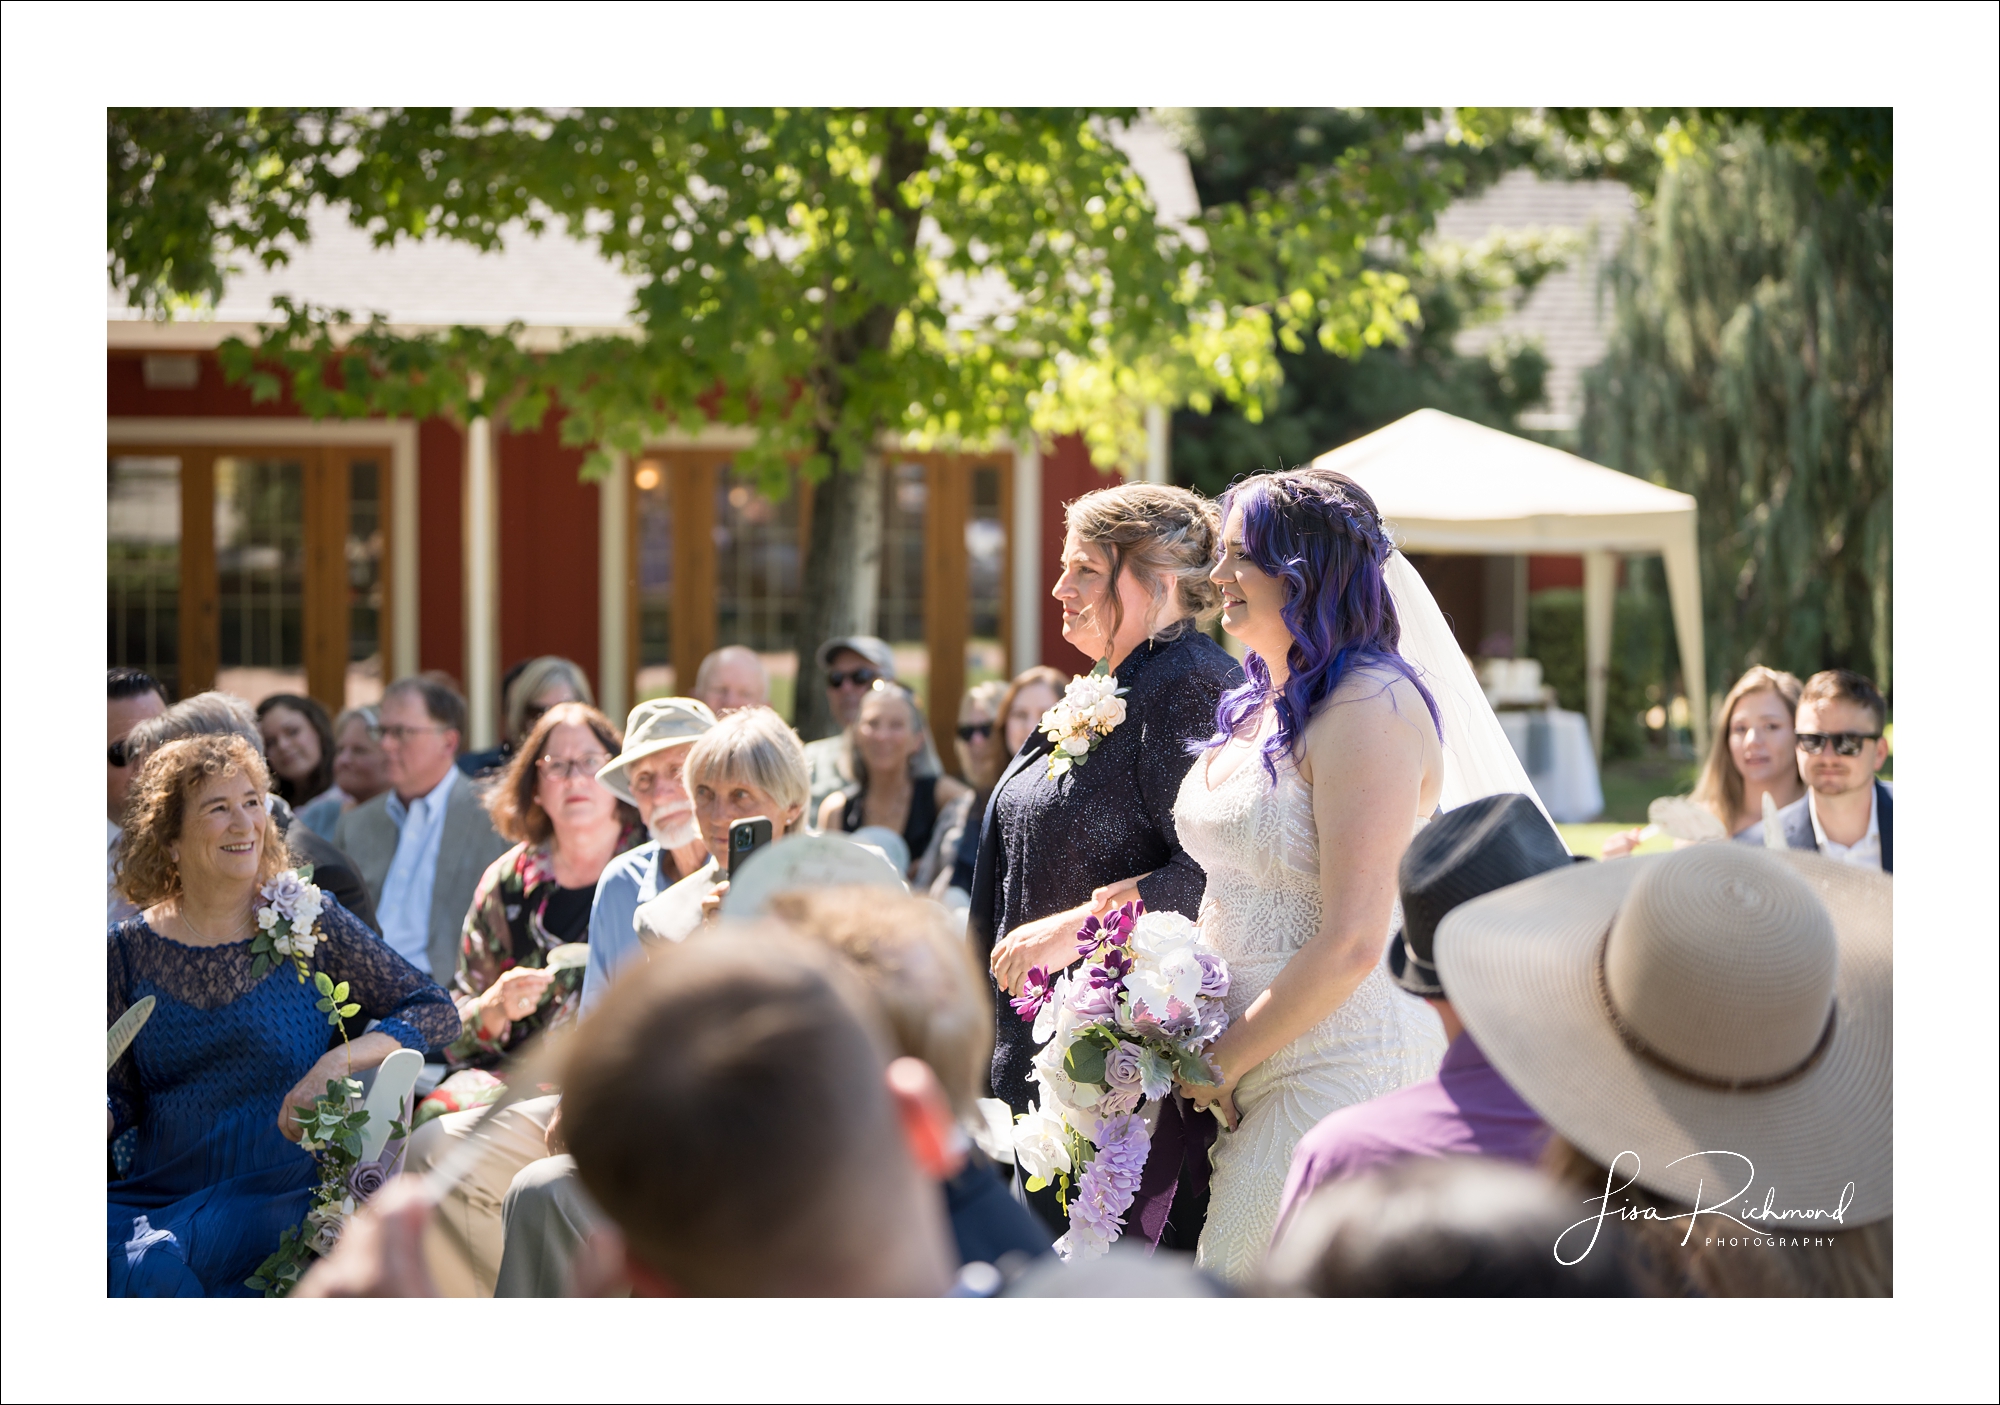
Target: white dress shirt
116	909
405	908
1865	852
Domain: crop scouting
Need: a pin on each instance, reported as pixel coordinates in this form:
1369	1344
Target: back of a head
210	714
935	1001
726	1106
1459	1227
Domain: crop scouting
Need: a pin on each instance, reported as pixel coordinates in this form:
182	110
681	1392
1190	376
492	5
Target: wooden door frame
325	505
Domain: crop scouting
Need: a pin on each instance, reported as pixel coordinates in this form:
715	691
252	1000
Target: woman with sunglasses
567	828
978	746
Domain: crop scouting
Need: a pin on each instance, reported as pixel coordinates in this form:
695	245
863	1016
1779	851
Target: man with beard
646	772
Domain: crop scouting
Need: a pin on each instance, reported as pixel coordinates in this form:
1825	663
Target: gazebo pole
1600	584
1684	591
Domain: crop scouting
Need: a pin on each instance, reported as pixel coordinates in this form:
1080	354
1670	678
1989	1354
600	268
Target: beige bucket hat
1697	1008
654	725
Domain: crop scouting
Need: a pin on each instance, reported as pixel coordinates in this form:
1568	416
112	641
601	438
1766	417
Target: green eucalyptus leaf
323	983
339	992
259	967
348	1012
1084	1062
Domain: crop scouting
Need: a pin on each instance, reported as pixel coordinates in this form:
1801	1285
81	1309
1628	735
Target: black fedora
1465	854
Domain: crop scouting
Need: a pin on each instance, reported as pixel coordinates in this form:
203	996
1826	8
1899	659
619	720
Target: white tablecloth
1554	747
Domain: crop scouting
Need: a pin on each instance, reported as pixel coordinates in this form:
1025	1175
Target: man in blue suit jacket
1846	813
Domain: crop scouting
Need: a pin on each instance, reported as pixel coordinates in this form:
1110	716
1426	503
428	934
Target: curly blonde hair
156	813
1165	536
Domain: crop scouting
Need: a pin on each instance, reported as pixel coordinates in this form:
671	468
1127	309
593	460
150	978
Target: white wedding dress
1260	849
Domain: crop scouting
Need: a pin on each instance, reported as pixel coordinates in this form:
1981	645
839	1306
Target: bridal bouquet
1091	706
1139	1011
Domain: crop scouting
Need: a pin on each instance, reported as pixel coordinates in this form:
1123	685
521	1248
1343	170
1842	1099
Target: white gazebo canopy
1447	485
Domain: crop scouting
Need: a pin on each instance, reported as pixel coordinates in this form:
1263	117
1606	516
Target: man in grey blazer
423	844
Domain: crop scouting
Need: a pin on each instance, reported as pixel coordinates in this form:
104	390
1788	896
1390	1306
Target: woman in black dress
1133	588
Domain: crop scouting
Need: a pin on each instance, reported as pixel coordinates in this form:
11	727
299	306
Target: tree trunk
839	579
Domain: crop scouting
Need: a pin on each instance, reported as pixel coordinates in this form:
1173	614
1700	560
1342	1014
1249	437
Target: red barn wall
441	548
548	551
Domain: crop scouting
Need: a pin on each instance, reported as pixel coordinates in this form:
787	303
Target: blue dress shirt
627	881
405	908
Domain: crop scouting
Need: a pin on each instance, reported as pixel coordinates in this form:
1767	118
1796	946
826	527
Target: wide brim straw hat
805	861
654	725
1695	1009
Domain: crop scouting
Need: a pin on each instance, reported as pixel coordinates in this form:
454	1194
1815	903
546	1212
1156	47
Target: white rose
1082	693
1159	934
1108	713
1077	744
1041	1145
1150	990
267	917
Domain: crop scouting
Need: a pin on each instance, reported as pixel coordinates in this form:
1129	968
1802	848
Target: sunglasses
1844	743
971	730
859	677
116	755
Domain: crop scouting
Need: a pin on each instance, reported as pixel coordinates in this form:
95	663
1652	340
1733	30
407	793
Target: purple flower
1117	964
1034	994
367	1178
1214	974
1089	935
1121	1068
1094	1001
1118	926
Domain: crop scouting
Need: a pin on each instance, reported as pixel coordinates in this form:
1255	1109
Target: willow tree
1750	366
825	277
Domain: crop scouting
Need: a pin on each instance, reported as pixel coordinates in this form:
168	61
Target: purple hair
1321	534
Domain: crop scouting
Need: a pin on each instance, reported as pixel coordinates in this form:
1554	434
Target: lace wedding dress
1260	849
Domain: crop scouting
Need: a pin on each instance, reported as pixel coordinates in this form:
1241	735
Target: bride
1299	809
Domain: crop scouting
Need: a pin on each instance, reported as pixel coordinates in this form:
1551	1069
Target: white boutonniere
1091	708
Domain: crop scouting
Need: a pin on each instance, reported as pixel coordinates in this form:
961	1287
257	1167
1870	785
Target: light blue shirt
405	906
627	881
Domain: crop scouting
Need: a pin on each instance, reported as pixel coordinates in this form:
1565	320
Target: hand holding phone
746	837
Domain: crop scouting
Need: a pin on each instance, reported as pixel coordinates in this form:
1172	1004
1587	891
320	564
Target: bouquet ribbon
1176	1165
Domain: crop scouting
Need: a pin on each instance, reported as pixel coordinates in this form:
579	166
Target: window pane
656	579
899	607
143	564
756	565
986	558
365	598
260	573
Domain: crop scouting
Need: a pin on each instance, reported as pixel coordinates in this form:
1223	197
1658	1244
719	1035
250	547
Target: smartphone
746	837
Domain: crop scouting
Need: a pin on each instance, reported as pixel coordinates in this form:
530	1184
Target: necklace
188	922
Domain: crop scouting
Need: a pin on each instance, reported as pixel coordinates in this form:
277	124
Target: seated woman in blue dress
211	1080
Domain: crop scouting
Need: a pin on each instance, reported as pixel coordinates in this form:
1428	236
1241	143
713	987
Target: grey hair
368	716
536	675
754	745
210	714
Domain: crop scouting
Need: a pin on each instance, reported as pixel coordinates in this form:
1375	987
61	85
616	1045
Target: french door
256	570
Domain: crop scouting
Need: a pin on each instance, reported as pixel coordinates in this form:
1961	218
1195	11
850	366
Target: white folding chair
388	1099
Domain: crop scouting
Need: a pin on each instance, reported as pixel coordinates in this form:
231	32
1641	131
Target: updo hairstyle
1165	536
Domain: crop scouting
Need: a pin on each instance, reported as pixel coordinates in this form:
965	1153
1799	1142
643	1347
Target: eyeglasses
399	735
859	677
969	730
1844	743
560	767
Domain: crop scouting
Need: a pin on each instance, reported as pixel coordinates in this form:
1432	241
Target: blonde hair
933	998
536	675
983	697
853	764
156	813
1721	785
754	745
1166	536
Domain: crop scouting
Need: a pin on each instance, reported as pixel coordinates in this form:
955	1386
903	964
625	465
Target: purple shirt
1465	1109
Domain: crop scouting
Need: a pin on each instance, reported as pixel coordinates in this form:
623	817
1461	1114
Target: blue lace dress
213	1182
